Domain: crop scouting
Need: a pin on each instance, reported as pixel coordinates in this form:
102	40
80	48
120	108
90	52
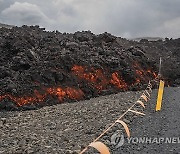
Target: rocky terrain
69	127
46	70
6	26
43	68
63	128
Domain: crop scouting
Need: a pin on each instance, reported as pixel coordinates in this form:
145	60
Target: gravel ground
61	128
67	128
164	124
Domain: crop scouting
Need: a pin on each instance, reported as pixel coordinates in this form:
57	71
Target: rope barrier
145	98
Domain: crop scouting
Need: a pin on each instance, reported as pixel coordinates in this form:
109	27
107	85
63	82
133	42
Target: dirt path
63	128
163	124
67	128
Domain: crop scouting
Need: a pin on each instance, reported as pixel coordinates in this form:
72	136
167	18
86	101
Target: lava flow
118	82
143	75
96	78
60	93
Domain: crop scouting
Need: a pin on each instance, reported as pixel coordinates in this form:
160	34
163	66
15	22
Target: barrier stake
160	96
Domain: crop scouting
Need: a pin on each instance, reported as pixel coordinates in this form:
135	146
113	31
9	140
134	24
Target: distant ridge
148	38
6	26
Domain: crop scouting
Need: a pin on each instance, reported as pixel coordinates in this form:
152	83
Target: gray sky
125	18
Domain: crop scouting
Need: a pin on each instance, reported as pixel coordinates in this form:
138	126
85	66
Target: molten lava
118	82
60	93
96	78
143	75
100	81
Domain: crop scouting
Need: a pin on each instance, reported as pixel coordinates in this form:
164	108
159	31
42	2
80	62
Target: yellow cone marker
160	95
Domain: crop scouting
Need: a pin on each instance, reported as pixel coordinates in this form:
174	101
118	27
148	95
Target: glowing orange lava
60	93
118	82
98	79
143	75
95	77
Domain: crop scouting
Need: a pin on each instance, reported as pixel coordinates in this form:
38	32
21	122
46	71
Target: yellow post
160	95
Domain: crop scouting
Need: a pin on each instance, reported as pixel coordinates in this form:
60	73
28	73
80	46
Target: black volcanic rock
33	60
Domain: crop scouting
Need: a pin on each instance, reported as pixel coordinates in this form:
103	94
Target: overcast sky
125	18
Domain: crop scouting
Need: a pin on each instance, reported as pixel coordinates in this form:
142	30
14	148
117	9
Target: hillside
40	68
